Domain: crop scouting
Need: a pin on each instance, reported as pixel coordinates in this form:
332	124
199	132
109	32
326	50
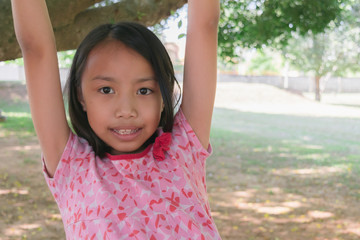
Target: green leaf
181	35
180	24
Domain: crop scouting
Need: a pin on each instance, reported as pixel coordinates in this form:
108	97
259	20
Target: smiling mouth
126	131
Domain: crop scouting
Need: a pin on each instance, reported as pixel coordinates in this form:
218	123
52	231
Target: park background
286	160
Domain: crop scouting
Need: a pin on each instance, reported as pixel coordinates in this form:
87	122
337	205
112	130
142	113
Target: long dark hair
144	42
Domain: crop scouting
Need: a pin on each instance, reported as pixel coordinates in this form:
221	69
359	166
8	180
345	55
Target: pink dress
138	196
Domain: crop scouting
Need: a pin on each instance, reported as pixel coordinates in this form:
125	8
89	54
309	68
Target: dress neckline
129	156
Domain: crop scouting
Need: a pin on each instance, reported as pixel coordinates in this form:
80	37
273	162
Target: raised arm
200	68
36	38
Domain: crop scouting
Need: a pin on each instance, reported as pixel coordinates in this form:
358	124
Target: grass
18	120
17	111
277	141
314	159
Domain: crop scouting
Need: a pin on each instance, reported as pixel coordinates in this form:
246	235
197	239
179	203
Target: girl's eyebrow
145	79
100	77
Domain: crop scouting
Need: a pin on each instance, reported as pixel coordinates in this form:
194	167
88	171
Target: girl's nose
125	108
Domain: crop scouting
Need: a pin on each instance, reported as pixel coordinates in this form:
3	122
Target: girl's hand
200	68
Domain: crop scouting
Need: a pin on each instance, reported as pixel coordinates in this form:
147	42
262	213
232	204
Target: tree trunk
72	20
317	88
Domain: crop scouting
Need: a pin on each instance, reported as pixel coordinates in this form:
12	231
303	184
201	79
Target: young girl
133	170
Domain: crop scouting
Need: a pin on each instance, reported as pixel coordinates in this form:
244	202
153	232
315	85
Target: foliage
253	23
333	52
19	62
264	63
157	28
65	58
336	51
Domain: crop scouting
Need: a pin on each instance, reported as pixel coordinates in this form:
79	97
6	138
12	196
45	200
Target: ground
284	167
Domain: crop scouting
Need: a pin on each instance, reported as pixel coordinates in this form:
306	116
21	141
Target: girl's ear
81	99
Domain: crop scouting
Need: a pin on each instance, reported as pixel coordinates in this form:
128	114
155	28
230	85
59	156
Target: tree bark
72	20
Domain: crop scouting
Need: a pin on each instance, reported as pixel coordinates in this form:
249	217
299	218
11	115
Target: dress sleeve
181	125
67	167
189	152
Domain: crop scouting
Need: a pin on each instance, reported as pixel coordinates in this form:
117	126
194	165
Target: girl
133	170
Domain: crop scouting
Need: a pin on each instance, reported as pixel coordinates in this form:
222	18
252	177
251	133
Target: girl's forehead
109	46
113	59
114	50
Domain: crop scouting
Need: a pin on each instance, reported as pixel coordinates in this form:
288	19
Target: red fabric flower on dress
161	145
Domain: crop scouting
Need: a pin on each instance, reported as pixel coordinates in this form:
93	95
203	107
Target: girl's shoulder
184	138
77	152
181	124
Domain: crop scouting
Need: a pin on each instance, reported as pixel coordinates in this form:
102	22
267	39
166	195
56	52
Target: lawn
283	168
285	177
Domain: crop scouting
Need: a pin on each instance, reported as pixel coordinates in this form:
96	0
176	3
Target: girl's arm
36	38
200	68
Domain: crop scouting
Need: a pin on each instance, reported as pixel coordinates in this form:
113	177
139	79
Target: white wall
17	73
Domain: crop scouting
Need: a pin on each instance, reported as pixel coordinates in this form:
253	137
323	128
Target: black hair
144	42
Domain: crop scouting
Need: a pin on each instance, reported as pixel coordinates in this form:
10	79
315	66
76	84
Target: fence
13	73
301	84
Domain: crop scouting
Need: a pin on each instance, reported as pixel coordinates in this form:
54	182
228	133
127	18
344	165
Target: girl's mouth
126	131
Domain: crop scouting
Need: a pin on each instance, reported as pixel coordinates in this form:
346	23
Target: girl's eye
144	91
106	90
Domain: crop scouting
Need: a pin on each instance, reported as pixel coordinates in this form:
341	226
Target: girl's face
121	97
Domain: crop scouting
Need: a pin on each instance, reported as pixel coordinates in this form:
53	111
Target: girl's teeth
125	131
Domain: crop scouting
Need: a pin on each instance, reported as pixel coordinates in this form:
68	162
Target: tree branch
147	12
63	12
72	20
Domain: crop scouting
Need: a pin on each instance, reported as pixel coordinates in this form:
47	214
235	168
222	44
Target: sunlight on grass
21	229
17	123
55	217
29	226
353	228
23	148
18	114
271	208
314	156
312	172
261	98
14	191
320	214
244	194
313	147
276	210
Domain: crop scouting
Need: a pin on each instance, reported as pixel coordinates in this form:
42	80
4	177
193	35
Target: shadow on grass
284	177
